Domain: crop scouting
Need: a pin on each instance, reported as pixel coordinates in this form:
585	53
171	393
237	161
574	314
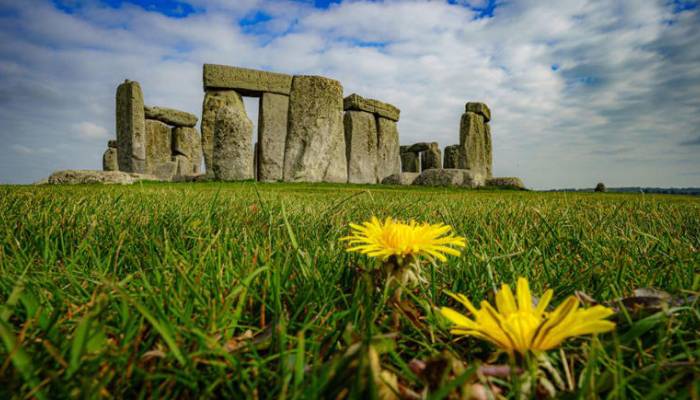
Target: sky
580	91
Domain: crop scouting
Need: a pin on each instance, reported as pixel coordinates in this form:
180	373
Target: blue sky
581	91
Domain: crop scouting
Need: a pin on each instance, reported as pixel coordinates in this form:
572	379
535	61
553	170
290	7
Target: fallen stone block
388	149
402	178
170	116
110	160
451	156
131	127
233	145
165	170
272	136
244	80
74	177
479	108
506	183
214	100
450	177
315	147
361	146
355	102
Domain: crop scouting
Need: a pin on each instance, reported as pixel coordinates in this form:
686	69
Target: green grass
244	291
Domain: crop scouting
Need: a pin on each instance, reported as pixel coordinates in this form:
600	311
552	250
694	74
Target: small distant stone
506	183
403	178
76	177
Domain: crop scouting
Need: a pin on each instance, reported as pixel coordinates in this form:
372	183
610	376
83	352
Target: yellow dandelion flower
395	238
518	326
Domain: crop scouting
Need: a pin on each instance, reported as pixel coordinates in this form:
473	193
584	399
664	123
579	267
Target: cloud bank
580	91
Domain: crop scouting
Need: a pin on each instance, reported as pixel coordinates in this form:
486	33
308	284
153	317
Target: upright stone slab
110	161
215	100
187	143
233	145
431	158
361	146
388	149
315	147
489	151
472	143
410	161
272	135
451	156
131	127
158	149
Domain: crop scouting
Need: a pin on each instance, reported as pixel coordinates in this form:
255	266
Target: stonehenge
156	141
306	132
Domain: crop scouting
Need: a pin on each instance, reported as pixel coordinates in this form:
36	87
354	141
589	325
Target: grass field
244	291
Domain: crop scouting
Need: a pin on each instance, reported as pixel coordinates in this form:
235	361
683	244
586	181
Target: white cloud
91	131
579	89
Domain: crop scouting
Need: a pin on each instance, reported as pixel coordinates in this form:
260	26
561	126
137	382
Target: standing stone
272	135
256	160
431	158
214	100
451	154
489	150
186	142
158	149
410	162
388	149
472	143
131	127
184	166
232	155
361	146
315	147
110	160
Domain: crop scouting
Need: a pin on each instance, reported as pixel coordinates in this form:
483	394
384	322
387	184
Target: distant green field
244	290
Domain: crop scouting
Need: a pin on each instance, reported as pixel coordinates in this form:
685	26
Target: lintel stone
356	102
245	81
479	108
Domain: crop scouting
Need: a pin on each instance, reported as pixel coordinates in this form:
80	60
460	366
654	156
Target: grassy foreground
244	291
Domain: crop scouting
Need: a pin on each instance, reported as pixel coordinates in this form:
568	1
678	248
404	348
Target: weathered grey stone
187	142
112	144
74	177
431	158
388	149
479	108
272	135
418	147
450	177
110	160
356	102
158	149
256	158
233	145
361	146
214	100
410	161
472	143
184	166
506	182
315	147
489	150
165	170
170	116
403	178
451	156
131	127
244	80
